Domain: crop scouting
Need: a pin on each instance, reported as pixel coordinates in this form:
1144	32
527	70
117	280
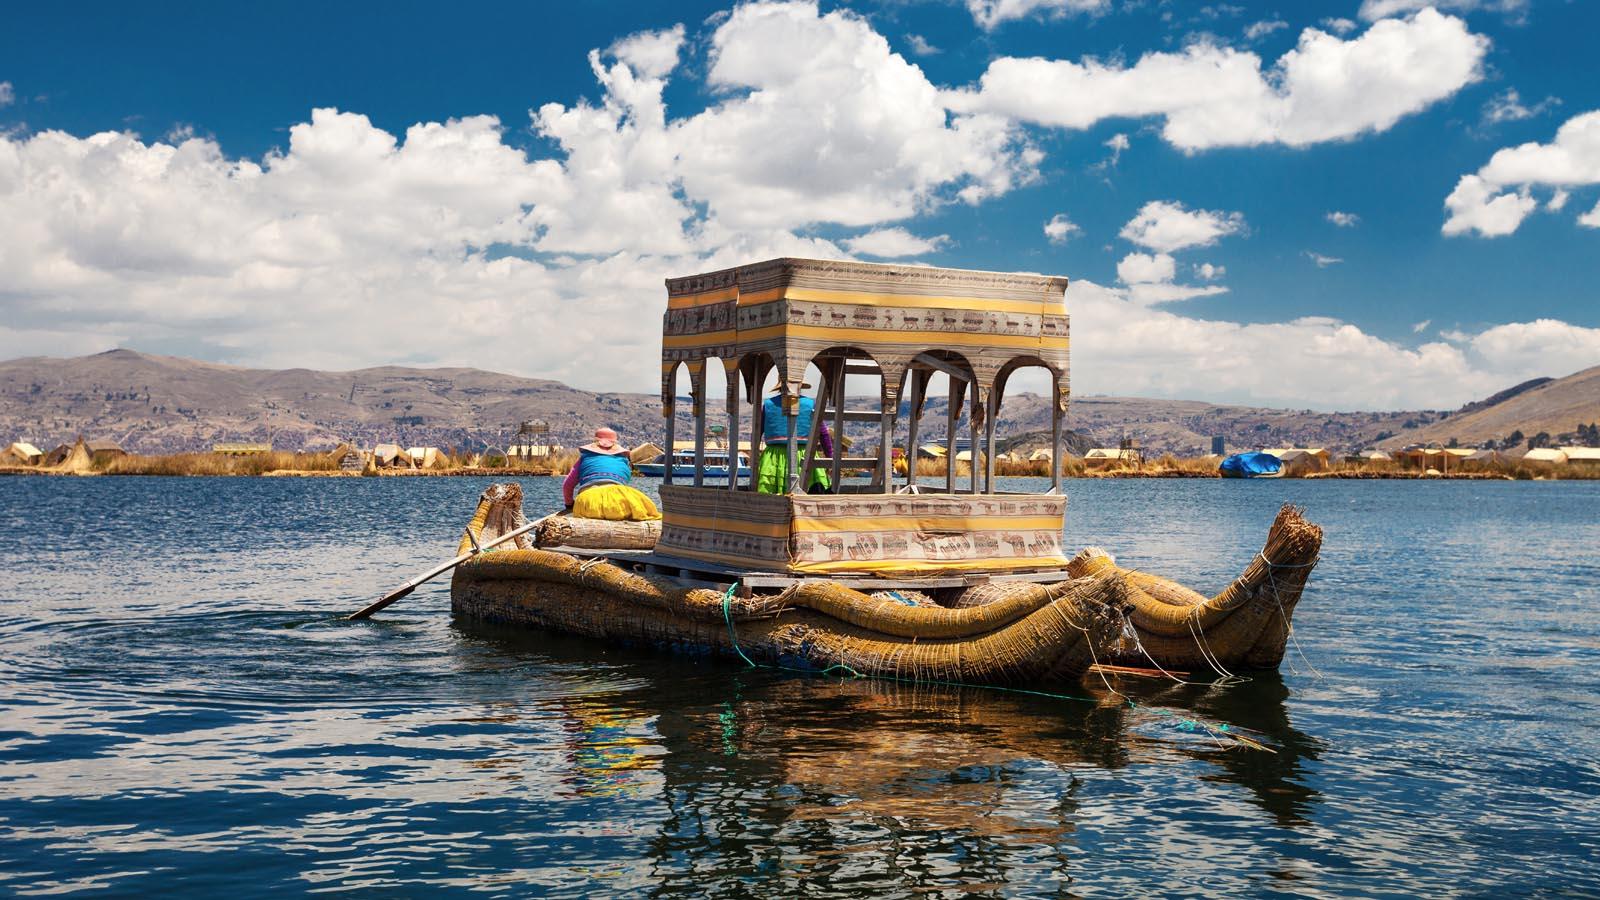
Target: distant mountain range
156	404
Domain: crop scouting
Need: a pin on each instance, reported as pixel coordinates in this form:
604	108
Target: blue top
775	426
602	468
1249	465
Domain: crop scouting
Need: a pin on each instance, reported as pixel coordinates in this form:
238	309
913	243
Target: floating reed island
896	577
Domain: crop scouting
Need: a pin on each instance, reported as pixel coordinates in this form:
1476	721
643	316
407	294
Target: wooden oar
429	575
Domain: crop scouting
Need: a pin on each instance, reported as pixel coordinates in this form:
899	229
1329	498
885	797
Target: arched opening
946	373
1052	380
832	373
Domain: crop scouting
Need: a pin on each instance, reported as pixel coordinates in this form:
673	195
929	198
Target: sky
1367	204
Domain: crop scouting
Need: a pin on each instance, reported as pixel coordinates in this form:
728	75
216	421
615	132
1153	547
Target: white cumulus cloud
991	13
1496	199
8	94
1145	268
1343	219
1507	106
1316	361
894	243
1258	30
1370	10
1169	227
1209	95
1061	229
1322	260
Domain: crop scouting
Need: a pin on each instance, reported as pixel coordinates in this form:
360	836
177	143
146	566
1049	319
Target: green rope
727	616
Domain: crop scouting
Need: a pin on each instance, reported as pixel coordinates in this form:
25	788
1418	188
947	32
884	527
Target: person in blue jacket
772	474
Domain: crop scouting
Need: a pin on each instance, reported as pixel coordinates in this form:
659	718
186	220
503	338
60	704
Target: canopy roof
794	310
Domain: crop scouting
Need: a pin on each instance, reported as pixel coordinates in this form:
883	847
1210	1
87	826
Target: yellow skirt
614	502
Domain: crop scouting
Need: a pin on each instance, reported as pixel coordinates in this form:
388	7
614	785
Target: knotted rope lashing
1283	614
1183	723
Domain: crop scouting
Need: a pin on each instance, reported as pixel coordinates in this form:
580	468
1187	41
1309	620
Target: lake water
181	711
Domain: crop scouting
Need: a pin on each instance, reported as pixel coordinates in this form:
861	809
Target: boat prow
1247	625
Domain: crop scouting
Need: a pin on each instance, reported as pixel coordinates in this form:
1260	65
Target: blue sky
945	132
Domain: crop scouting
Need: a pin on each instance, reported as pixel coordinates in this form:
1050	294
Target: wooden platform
700	573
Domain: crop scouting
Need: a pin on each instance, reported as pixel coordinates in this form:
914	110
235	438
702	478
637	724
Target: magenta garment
569	484
824	439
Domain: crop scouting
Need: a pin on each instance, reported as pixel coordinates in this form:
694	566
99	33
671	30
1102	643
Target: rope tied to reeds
1214	731
1283	614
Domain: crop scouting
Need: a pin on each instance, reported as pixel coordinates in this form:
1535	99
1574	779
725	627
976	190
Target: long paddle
429	575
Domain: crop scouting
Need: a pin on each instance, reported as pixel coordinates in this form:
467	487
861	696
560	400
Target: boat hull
993	631
1042	635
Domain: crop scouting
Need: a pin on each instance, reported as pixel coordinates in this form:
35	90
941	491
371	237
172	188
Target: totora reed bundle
1035	634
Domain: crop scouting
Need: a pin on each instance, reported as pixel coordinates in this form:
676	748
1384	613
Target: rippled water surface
182	711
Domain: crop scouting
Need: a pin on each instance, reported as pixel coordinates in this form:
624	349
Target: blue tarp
1250	465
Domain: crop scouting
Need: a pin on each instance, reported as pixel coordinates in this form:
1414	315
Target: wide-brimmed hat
605	441
778	388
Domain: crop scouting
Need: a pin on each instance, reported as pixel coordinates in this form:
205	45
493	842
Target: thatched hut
644	453
428	458
391	456
1301	460
102	452
1582	456
77	459
22	453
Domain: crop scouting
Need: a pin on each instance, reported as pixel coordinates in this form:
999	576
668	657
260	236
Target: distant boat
683	465
1254	464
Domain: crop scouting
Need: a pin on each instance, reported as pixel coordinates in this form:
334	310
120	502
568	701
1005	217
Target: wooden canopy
794	310
902	324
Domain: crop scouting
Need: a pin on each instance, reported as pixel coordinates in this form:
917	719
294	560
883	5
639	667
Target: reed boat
891	577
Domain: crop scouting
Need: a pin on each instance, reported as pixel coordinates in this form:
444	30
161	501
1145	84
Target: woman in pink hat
599	486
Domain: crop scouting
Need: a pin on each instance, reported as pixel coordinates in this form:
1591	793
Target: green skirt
772	472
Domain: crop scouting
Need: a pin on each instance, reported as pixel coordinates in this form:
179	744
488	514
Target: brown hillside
1556	407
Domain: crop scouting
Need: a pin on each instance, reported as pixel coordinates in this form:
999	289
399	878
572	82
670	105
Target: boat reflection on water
790	776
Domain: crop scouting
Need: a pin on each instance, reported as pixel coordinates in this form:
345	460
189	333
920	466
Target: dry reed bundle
1038	633
1245	626
598	534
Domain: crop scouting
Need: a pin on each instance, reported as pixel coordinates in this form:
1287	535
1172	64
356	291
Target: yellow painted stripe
864	337
926	566
721	523
704	298
741	562
927	523
919	301
679	341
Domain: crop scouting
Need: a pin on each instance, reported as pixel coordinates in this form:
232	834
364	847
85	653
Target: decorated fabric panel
923	534
795	308
734	528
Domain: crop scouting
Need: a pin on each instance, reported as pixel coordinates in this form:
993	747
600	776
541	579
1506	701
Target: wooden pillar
836	386
758	422
733	428
919	383
818	406
672	428
1055	436
956	387
886	416
972	427
699	382
791	412
988	439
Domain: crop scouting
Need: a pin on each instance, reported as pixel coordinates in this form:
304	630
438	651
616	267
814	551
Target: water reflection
181	711
790	779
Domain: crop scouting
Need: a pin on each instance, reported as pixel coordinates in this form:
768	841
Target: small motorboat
716	466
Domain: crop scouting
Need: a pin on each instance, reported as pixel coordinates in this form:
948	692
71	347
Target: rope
727	616
1283	614
1183	723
